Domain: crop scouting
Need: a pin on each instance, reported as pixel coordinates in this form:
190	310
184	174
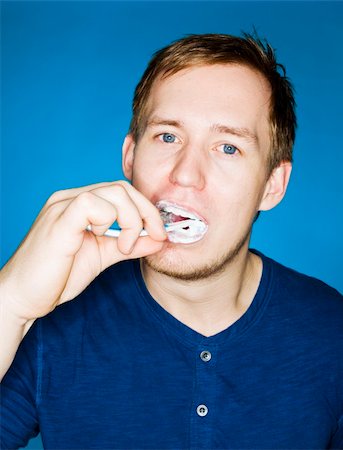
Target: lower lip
186	236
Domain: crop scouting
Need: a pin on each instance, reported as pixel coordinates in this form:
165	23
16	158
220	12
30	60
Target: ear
276	186
128	156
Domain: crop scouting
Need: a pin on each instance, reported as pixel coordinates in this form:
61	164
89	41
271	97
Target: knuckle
119	190
121	197
53	211
54	198
84	198
122	183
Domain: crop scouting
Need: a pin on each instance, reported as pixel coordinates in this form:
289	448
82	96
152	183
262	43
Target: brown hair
209	49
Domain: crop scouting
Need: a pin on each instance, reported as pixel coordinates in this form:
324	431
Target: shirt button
202	410
205	355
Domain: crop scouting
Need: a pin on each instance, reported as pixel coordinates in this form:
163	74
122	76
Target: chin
174	266
192	262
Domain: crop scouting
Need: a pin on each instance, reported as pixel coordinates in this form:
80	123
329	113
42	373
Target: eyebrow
218	128
236	131
158	121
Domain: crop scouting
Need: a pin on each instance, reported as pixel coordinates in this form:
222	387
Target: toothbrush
111	232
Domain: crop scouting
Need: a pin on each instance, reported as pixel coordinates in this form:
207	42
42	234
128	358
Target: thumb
110	254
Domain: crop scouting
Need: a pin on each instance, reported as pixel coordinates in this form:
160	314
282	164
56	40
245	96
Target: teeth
169	208
165	216
180	212
193	233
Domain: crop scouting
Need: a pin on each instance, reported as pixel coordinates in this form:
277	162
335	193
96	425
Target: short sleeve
19	394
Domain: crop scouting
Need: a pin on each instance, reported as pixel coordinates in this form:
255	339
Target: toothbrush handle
114	232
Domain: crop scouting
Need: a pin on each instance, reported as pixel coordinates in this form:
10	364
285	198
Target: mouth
172	213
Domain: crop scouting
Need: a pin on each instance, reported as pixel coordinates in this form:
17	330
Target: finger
89	208
110	253
128	216
148	212
65	194
152	220
81	211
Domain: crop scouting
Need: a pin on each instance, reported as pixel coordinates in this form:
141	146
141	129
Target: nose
188	170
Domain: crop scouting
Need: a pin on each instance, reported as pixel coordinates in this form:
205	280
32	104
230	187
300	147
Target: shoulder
301	284
304	296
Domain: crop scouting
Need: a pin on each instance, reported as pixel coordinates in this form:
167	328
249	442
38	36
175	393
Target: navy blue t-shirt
113	370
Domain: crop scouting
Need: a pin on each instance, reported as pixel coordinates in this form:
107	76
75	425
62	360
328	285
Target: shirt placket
204	392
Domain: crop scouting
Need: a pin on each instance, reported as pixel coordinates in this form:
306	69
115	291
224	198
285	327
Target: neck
210	305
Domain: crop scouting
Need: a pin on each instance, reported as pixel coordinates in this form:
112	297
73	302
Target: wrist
10	306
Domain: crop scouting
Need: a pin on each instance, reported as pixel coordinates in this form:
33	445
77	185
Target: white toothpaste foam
194	232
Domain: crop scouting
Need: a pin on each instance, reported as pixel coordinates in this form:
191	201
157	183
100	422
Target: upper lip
165	202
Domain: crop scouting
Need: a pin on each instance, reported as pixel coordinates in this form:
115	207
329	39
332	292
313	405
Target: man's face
205	149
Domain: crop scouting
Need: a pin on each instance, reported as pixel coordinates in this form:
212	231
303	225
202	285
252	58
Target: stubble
194	272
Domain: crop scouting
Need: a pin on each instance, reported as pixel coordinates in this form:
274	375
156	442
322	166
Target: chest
169	396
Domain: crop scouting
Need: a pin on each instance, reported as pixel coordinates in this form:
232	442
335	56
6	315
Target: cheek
231	186
148	173
238	199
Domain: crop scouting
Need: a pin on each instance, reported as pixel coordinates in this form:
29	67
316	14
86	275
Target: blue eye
168	138
229	149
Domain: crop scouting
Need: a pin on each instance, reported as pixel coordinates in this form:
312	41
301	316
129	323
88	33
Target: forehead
233	94
224	79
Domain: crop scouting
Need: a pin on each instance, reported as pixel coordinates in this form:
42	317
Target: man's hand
58	258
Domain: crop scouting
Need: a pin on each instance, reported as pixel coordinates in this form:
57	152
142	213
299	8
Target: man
192	340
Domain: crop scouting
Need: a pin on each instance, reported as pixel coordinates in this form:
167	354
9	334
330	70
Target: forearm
12	331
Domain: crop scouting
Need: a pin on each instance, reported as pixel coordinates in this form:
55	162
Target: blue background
68	74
